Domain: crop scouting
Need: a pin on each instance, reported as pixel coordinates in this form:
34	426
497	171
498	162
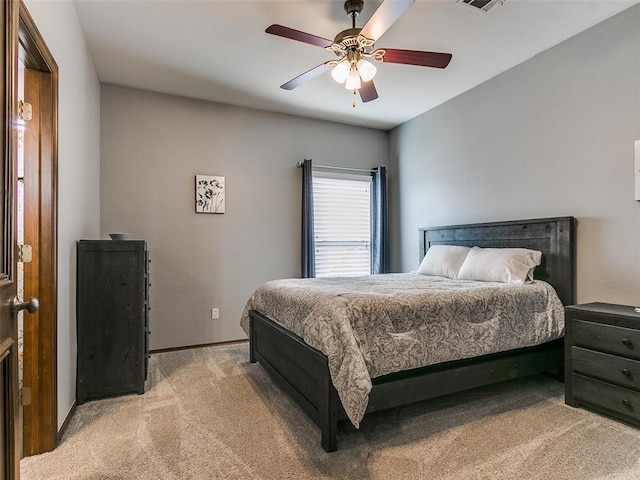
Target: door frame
8	347
40	433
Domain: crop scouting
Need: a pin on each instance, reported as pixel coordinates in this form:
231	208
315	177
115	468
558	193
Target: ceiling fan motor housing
348	38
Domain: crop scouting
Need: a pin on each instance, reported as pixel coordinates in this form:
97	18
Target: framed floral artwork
210	194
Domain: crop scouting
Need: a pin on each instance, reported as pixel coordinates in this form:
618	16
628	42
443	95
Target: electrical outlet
215	313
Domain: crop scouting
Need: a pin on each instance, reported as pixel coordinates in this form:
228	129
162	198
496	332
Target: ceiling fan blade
385	16
303	37
306	76
417	57
368	91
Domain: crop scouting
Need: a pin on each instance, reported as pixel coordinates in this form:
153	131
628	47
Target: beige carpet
208	413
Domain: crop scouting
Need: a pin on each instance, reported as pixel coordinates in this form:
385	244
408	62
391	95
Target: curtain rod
348	169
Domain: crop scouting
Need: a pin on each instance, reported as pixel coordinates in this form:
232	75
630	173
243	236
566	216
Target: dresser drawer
618	401
620	370
610	338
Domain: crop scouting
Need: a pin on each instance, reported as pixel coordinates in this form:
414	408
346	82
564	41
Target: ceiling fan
355	46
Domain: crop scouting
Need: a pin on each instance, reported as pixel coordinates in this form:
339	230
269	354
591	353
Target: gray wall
78	170
553	136
152	146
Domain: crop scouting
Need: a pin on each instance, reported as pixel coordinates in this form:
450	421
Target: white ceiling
218	50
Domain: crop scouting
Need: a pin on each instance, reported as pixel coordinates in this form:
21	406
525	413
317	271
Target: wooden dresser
602	359
112	318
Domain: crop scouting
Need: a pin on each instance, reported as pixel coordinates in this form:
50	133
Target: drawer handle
626	341
626	372
626	402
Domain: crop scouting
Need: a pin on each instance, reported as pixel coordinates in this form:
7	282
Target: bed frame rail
430	382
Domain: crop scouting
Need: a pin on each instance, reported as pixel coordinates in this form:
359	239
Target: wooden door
38	405
9	452
39	397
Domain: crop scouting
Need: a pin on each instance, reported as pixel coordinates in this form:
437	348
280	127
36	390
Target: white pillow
443	260
508	265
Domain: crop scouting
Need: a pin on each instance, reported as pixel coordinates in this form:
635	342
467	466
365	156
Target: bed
303	371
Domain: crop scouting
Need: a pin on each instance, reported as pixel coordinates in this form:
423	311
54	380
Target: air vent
483	5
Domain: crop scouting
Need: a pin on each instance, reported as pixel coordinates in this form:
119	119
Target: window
342	225
344	221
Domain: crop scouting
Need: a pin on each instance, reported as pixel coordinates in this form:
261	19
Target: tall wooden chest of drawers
112	318
602	359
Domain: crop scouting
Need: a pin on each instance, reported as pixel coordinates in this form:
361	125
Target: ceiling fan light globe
353	80
341	71
367	70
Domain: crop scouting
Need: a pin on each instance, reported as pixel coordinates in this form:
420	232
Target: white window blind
342	226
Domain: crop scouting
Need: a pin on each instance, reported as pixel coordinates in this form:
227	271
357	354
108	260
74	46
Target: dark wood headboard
554	237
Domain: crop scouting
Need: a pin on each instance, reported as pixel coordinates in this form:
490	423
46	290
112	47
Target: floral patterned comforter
379	324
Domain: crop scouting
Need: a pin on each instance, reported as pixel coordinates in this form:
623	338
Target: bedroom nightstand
602	359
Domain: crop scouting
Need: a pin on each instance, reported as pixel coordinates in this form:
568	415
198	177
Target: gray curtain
379	223
308	240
